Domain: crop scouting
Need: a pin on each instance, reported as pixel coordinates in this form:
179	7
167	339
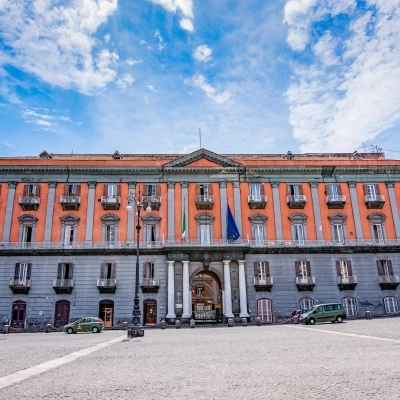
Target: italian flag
184	225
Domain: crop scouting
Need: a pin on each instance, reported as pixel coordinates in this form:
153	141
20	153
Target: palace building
314	228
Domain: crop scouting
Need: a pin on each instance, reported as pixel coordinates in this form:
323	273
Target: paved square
354	360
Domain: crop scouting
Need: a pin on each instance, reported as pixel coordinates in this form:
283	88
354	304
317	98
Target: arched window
377	223
258	228
110	228
69	227
338	227
151	229
27	224
299	232
391	304
205	228
306	303
264	310
350	306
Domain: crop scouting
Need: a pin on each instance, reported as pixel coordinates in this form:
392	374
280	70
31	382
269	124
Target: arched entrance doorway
106	312
206	297
61	313
18	314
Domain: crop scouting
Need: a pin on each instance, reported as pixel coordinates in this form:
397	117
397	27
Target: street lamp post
135	328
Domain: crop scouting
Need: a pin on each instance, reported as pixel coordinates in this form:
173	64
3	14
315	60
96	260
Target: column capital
241	262
12	184
185	262
352	184
92	184
52	184
132	184
171	263
171	185
275	184
222	185
314	184
390	184
226	262
184	185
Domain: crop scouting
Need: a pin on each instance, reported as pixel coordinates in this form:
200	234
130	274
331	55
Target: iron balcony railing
150	282
335	199
204	199
310	280
296	199
106	282
350	280
111	199
268	281
29	200
24	283
389	279
70	199
63	283
257	198
376	198
151	199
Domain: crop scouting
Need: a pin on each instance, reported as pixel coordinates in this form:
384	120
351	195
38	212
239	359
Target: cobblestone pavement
249	363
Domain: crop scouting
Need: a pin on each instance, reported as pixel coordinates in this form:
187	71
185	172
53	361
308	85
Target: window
148	270
27	229
31	190
299	233
334	191
258	224
350	306
338	226
65	271
303	269
371	191
151	229
204	190
205	234
344	269
22	273
72	189
204	228
295	190
69	228
338	236
110	233
259	234
391	305
306	303
261	270
107	271
298	221
385	268
256	191
377	233
112	190
110	228
377	222
264	310
150	190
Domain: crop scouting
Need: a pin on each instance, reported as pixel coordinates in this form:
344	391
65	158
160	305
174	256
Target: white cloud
200	82
183	7
350	93
202	53
40	122
161	45
55	42
107	38
133	62
125	81
7	143
152	89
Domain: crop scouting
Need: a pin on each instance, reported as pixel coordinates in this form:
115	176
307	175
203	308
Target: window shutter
289	190
297	266
28	272
301	193
377	190
36	190
380	269
66	191
197	190
338	268
256	269
103	271
339	189
308	266
365	189
59	271
118	190
16	271
105	190
262	191
26	190
113	270
210	189
390	267
71	271
146	190
158	190
78	189
349	268
144	270
267	269
328	189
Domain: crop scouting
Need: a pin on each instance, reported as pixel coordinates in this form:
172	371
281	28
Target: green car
85	325
330	312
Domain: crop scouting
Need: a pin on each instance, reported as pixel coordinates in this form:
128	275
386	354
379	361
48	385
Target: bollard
295	319
48	328
124	325
368	315
258	321
162	324
192	323
230	322
6	329
244	321
177	324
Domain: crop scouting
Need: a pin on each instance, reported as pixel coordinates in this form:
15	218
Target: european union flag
232	232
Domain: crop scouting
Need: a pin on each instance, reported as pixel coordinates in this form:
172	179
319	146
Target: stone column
185	206
238	210
393	207
228	289
185	288
356	210
222	193
317	210
171	212
9	211
131	213
277	210
49	212
90	212
242	290
171	290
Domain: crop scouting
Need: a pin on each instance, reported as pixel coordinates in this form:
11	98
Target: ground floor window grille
391	305
264	310
306	303
350	306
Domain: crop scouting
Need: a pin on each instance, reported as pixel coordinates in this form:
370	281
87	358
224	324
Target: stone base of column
170	319
245	315
229	315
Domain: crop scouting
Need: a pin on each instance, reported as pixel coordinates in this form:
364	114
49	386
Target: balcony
20	286
263	284
106	285
150	285
376	201
154	201
336	201
296	201
348	283
110	202
389	282
305	284
204	202
29	202
257	201
70	202
63	286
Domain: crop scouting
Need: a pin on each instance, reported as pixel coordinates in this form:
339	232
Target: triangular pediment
203	158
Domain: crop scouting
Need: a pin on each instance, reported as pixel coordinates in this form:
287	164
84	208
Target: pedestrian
5	321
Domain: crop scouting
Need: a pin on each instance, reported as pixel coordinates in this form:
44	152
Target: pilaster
356	210
277	210
90	212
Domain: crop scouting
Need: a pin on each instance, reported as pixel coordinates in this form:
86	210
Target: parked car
330	312
88	324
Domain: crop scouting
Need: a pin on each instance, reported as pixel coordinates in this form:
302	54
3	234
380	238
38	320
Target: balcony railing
29	202
20	286
389	282
63	285
298	201
204	202
70	202
305	284
106	285
257	201
337	201
263	284
348	283
110	202
150	285
376	201
154	201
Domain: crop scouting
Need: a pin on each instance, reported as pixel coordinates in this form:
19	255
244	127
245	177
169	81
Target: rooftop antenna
200	136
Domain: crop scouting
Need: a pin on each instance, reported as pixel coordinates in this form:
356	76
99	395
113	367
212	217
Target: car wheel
70	330
339	319
95	329
312	321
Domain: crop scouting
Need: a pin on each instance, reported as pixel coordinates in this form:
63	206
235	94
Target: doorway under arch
206	297
61	313
106	312
18	315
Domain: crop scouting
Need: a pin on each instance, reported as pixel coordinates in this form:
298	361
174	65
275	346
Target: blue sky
257	76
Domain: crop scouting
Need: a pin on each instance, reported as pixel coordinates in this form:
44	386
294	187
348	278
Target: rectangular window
112	190
31	190
259	235
371	191
391	305
344	272
205	234
387	271
27	234
255	191
338	233
23	271
69	235
306	303
299	233
378	233
150	235
303	272
65	271
350	306
262	270
110	233
204	190
333	190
